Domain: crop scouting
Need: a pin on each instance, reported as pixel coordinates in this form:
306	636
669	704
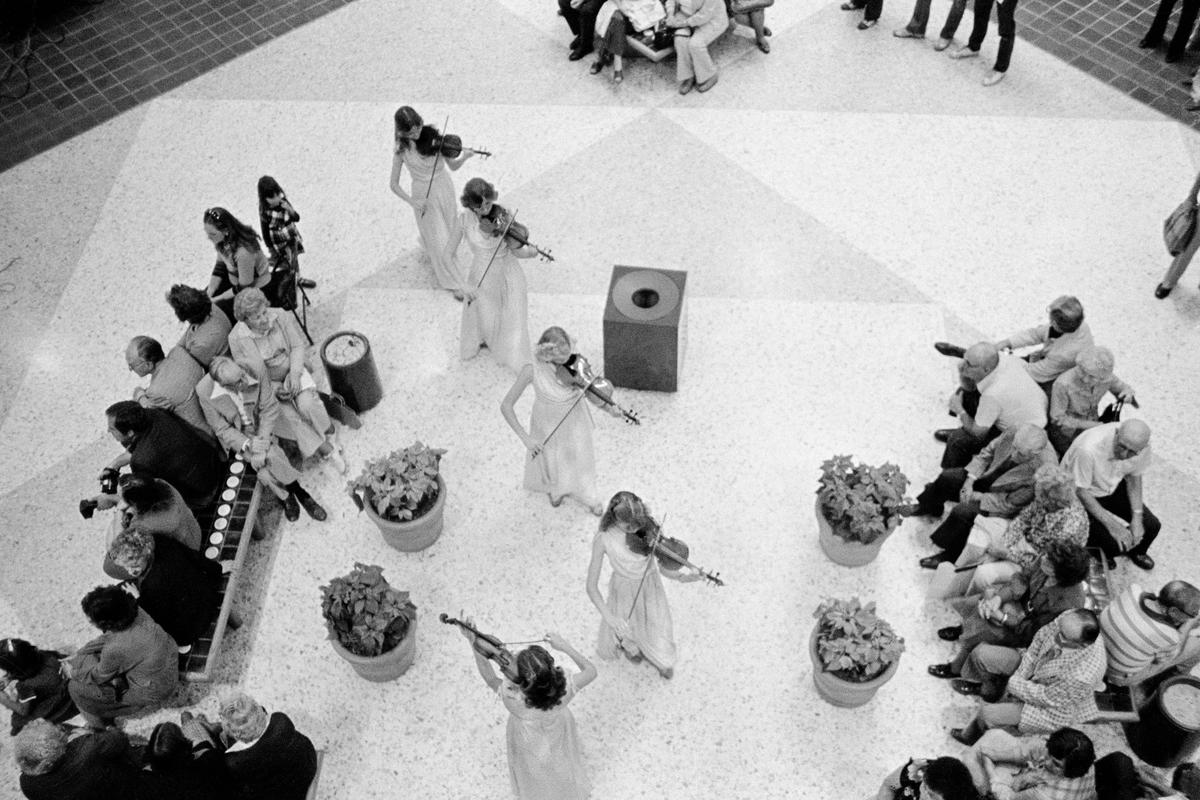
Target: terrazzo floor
838	205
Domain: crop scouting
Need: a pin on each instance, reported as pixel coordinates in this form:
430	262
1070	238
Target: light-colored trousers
692	59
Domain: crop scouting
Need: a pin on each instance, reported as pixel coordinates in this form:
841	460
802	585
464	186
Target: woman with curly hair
207	334
635	617
157	508
545	759
34	687
942	778
241	262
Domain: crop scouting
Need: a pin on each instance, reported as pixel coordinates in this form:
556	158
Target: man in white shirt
1107	463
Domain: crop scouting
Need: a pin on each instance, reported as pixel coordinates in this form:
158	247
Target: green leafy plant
861	502
852	642
366	615
400	486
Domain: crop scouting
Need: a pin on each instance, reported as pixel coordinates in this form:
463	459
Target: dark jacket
172	451
279	766
205	778
97	766
180	590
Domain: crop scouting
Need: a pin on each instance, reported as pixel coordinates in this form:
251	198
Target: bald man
1146	634
998	483
1107	463
1007	399
173	379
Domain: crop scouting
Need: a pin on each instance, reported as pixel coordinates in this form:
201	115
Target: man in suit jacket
92	766
269	759
998	482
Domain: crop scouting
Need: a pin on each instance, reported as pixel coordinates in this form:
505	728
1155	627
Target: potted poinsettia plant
404	494
858	507
853	651
371	625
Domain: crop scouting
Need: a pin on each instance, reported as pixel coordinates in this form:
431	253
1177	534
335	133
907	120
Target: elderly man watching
1146	634
1075	398
1051	685
269	759
55	766
998	482
1108	462
996	395
239	403
173	379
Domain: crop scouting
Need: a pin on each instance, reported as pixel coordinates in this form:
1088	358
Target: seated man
1011	613
1108	462
1061	340
269	759
998	482
241	407
159	445
79	767
173	379
1146	634
1059	767
1075	398
996	395
1051	685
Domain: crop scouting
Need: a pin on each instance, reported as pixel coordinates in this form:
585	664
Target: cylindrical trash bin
1168	731
351	369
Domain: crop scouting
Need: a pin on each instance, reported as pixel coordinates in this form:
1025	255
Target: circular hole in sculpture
645	298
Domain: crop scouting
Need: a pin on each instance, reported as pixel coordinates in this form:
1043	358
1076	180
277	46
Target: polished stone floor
838	204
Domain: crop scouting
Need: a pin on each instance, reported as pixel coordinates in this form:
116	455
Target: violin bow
563	419
649	561
437	154
511	219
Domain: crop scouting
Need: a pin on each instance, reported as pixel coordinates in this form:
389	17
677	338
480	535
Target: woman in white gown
496	310
545	759
640	628
436	215
564	463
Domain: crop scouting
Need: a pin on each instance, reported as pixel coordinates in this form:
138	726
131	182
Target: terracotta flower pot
838	691
386	666
415	534
844	551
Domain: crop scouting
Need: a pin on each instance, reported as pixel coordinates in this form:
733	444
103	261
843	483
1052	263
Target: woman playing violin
496	311
431	193
562	463
545	759
640	627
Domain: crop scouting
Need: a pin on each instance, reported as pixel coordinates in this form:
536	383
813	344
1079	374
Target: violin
671	553
498	219
447	145
576	371
490	647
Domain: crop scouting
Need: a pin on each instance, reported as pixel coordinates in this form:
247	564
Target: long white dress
545	758
498	317
650	620
437	222
567	465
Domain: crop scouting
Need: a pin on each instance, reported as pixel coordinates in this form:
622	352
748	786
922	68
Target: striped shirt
1132	638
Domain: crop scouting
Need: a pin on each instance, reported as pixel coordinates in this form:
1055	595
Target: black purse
1112	412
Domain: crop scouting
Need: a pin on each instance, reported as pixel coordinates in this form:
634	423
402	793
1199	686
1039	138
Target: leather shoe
960	735
964	52
708	84
866	24
932	562
912	510
950	633
941	44
969	688
313	509
1142	560
942	671
1161	291
291	508
1173	56
577	54
952	350
686	85
943	434
1149	41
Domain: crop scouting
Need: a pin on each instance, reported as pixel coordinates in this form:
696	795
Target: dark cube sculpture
645	328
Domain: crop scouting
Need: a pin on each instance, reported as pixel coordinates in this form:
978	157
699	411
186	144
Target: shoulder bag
1180	226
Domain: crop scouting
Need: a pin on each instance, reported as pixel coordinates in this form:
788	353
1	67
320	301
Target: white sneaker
964	52
993	77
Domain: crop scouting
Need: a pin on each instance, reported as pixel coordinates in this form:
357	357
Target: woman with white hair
270	342
269	759
1075	398
55	766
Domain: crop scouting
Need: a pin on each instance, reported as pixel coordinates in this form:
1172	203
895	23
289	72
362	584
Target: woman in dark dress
34	686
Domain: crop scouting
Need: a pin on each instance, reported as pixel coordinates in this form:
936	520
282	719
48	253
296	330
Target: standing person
871	10
1005	16
581	19
635	616
545	759
1180	262
241	262
561	459
431	193
277	220
34	686
496	311
915	29
697	24
1187	21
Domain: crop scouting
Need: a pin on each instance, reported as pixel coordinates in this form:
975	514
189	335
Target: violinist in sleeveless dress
567	464
435	224
497	316
545	758
649	617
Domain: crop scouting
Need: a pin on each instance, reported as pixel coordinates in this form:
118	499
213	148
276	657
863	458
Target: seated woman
154	506
34	686
697	24
83	766
207	334
612	25
1008	767
943	778
756	19
241	262
130	668
179	588
270	343
173	770
269	759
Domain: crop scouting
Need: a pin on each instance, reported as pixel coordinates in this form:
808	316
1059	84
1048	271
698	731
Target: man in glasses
1075	398
1108	462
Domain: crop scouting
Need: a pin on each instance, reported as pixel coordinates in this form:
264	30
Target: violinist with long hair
561	458
545	759
431	193
496	312
635	617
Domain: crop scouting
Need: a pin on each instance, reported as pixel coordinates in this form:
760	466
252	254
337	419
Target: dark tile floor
98	58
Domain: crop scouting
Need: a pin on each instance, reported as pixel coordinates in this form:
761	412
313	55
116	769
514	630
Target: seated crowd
1035	475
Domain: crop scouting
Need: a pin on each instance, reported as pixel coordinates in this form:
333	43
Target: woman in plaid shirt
278	219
